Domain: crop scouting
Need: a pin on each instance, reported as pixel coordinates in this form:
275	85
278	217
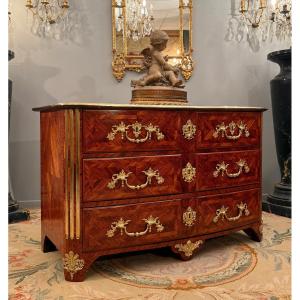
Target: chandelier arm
260	16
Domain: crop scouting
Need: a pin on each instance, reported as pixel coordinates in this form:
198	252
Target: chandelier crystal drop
139	19
259	21
50	17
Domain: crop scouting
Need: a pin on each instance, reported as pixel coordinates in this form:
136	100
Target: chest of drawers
121	178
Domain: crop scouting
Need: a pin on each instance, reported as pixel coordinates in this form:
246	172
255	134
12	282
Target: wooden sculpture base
159	95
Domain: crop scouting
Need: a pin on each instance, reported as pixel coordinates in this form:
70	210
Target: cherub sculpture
159	72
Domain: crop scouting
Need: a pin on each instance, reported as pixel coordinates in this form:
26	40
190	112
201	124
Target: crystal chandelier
139	17
281	19
259	21
49	16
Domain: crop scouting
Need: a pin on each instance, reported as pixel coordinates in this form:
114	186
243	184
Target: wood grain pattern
52	179
208	207
97	173
206	165
208	123
97	125
98	221
95	159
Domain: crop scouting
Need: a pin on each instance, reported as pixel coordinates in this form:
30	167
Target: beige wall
47	71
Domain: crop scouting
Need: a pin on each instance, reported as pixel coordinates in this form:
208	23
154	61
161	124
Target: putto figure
159	73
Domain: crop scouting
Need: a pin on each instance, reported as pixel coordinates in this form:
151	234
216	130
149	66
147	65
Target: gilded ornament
188	173
189	130
232	127
186	66
222	168
121	225
189	217
222	213
122	176
119	66
189	247
72	263
137	130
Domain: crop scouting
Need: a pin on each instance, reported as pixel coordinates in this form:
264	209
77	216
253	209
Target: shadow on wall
78	29
86	89
28	91
27	77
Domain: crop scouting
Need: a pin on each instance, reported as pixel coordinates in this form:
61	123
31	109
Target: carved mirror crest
172	16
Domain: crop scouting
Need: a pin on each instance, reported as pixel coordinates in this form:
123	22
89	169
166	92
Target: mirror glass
132	18
166	17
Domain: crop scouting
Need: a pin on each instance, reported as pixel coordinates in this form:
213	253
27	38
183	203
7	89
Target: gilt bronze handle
136	131
122	176
222	213
121	225
222	129
222	168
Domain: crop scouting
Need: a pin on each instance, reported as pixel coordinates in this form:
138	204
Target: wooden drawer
226	169
225	211
116	178
124	226
222	130
121	131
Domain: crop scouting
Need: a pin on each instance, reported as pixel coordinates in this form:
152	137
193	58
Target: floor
232	267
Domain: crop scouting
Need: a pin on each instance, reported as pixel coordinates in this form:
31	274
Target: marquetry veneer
121	178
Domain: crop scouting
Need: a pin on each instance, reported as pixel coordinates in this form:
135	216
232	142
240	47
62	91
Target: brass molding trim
67	163
137	132
189	130
189	247
189	217
72	174
223	169
188	173
221	213
121	225
72	263
122	176
85	105
222	130
77	174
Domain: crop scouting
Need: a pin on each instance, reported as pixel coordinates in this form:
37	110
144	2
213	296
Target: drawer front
130	225
117	178
227	169
222	130
121	131
225	211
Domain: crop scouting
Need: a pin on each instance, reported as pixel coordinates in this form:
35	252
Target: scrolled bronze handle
222	168
232	126
222	213
122	176
121	225
136	131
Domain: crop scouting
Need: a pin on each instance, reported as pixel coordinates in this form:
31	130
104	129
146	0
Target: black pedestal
14	214
279	202
18	216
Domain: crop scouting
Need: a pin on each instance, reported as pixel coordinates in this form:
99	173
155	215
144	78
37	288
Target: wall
48	71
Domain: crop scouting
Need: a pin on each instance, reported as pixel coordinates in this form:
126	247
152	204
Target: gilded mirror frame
122	61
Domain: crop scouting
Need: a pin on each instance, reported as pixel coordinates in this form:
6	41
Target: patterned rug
231	267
